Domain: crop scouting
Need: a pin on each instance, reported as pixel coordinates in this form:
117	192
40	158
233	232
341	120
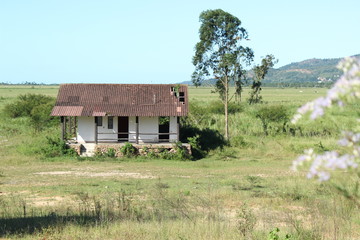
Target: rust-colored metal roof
121	100
67	111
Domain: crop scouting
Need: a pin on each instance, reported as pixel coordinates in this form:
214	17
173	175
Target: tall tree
220	55
260	72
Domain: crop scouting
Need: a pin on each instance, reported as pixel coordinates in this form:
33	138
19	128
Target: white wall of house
105	134
86	129
173	129
149	125
132	129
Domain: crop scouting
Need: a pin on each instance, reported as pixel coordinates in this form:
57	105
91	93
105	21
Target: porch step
87	150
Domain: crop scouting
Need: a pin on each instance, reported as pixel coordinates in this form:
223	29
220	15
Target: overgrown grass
241	190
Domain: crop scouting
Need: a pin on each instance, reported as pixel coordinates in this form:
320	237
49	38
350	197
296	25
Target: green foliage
178	152
273	235
128	150
209	139
24	104
246	221
197	152
238	141
164	120
181	153
217	107
219	53
195	195
111	153
259	74
218	50
56	147
273	114
35	106
40	116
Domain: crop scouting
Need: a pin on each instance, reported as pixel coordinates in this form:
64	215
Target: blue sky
153	41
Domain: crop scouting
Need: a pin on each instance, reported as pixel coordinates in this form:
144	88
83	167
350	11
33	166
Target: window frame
110	123
99	121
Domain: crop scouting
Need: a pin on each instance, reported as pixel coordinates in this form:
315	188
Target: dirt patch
47	201
55	173
98	174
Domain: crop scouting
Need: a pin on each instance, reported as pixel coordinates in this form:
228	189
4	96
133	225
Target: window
110	122
98	121
181	96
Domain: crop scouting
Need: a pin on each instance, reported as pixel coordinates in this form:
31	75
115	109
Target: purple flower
346	89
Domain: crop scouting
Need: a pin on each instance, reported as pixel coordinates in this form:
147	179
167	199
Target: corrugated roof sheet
121	100
67	111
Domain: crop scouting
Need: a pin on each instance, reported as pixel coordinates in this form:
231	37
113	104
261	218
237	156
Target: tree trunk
226	98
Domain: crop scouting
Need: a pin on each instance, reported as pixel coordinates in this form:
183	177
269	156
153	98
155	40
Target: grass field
243	191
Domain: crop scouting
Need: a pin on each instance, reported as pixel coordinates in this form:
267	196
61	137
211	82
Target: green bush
238	141
111	153
128	150
181	152
24	104
178	152
196	150
272	114
40	116
37	107
56	147
217	107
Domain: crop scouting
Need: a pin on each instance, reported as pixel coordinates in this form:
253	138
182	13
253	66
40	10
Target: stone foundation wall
104	149
76	147
140	149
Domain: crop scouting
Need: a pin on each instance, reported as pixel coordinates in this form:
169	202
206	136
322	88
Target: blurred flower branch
345	91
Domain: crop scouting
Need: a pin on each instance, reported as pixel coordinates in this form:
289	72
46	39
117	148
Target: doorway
164	127
123	129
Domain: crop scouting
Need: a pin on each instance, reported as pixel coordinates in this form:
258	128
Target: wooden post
62	128
96	131
75	127
70	127
178	129
137	129
65	128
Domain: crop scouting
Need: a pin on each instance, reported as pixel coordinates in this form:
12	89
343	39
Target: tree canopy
219	54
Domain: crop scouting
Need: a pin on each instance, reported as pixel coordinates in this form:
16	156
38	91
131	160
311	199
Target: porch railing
137	134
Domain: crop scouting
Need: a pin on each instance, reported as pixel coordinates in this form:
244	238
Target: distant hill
307	71
311	70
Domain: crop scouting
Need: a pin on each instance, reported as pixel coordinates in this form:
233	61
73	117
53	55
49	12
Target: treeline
28	83
298	84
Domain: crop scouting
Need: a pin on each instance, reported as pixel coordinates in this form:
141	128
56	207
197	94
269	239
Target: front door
123	129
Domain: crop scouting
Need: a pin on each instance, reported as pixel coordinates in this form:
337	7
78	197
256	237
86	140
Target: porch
109	129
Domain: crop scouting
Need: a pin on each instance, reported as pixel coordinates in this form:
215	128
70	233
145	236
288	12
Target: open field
243	191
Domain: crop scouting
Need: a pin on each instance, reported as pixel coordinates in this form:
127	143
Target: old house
115	113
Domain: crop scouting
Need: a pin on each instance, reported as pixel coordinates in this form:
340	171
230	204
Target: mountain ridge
314	70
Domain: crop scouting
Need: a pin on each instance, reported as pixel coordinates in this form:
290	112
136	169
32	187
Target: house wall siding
105	134
149	125
173	129
132	129
86	129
